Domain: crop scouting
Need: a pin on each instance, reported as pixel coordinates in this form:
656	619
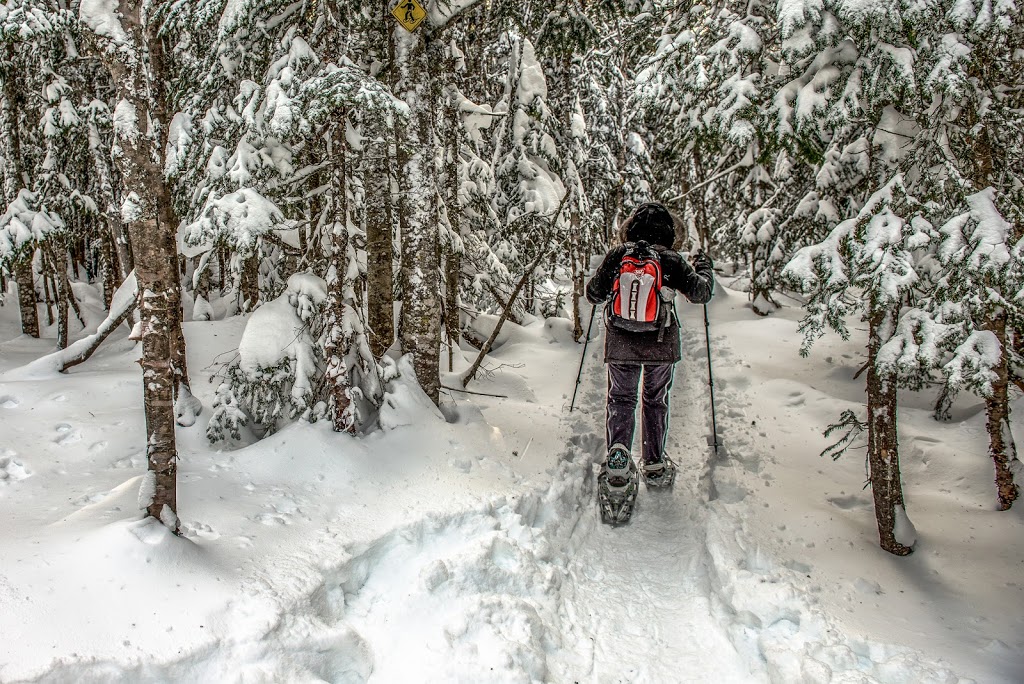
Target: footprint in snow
97	447
88	499
200	530
11	469
9	402
272	519
68	434
849	502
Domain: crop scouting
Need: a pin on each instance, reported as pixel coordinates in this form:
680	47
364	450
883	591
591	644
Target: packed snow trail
639	597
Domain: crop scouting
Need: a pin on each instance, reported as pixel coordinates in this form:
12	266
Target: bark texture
1001	447
380	254
27	297
883	445
421	297
338	342
452	248
137	153
12	183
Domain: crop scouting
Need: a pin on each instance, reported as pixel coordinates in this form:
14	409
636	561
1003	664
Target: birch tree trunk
883	445
138	156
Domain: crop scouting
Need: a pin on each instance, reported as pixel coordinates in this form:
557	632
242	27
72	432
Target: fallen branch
507	309
486	349
84	348
466	391
122	304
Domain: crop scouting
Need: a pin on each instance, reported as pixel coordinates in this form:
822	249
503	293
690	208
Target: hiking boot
660	473
619	467
617	486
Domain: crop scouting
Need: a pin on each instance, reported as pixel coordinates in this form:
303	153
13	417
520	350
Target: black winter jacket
622	346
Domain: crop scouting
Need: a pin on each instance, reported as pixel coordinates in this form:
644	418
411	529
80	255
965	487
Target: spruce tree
866	267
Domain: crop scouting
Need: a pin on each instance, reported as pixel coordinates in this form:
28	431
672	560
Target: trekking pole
583	358
711	381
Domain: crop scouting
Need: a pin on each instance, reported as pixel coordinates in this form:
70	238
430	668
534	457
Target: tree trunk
10	137
421	296
111	211
1001	447
23	276
62	292
338	341
578	259
249	281
883	444
153	246
12	179
47	279
453	331
450	128
380	255
108	270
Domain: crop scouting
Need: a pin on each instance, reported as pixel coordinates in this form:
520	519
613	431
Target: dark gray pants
623	379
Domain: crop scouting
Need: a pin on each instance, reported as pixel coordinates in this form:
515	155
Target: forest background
360	187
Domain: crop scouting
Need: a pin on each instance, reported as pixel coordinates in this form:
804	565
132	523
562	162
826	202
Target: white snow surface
463	545
101	17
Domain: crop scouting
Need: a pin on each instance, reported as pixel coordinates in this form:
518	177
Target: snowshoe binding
617	486
659	474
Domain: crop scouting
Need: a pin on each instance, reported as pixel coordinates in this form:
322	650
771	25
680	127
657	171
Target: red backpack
636	303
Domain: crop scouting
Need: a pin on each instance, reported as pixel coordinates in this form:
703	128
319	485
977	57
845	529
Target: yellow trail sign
409	13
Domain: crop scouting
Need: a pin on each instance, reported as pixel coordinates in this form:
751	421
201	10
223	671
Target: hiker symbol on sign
410	14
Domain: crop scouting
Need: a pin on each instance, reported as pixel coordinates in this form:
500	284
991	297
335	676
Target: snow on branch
25	223
101	17
239	218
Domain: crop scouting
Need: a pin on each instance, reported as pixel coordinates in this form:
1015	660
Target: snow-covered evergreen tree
865	267
970	68
279	373
702	89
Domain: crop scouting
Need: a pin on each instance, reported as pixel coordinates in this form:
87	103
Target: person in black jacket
651	355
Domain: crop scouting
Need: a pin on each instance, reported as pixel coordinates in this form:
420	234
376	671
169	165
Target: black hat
652	223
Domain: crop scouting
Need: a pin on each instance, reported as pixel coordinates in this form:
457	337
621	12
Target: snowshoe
661	474
617	486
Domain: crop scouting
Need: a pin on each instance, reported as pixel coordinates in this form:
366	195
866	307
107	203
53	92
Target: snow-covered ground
465	545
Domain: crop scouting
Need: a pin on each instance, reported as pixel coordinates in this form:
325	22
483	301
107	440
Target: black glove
701	261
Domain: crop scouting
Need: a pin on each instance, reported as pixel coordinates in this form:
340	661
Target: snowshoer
642	340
